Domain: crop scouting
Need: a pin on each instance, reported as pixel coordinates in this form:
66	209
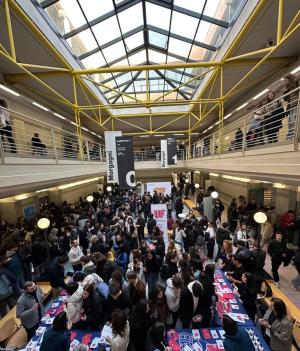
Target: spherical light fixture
260	217
109	189
43	223
187	180
90	198
214	195
197	185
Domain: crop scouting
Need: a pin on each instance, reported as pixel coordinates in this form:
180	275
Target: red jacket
286	220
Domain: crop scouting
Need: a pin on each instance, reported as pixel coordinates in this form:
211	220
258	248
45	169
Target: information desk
228	302
209	339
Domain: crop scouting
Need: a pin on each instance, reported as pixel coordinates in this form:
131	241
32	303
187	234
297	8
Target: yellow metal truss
254	60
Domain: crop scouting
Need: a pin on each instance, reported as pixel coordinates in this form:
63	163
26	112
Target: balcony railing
274	123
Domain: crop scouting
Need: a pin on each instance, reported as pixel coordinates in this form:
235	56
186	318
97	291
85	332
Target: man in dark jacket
140	226
191	304
57	274
277	251
151	224
222	234
258	258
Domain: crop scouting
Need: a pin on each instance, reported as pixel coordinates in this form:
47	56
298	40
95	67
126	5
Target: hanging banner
171	151
160	214
163	153
125	157
160	188
111	156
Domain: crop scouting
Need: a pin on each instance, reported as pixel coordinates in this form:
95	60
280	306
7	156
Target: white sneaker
277	284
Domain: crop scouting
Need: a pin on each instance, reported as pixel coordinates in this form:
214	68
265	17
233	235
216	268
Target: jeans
152	278
275	266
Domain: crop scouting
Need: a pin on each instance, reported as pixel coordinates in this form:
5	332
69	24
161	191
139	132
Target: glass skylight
124	32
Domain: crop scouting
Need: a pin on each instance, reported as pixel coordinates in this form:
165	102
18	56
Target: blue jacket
122	260
56	340
238	342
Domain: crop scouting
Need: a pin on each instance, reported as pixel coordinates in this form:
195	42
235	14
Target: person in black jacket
222	234
258	258
92	304
152	268
277	251
115	300
296	281
248	294
151	223
139	324
57	274
191	306
207	280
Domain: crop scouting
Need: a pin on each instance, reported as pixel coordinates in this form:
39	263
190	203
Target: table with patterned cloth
210	339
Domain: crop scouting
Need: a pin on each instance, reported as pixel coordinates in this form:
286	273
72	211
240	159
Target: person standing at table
120	331
57	274
236	339
75	255
248	294
235	277
57	338
279	328
30	308
277	251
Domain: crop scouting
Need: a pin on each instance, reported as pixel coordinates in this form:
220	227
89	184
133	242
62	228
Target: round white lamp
187	180
260	217
43	223
182	215
109	188
214	195
90	198
197	185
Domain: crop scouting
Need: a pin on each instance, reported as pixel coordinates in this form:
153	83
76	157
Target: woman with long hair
158	306
248	294
92	308
120	331
139	324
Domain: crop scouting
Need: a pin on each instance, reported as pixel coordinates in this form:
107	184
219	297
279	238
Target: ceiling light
40	106
179	134
159	135
194	133
43	223
3	87
216	123
204	131
227	116
143	136
85	129
295	70
93	133
41	191
260	217
242	106
214	195
58	115
260	94
209	127
74	124
226	138
99	136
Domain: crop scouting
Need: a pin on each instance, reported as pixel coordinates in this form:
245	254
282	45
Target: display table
209	339
228	302
87	337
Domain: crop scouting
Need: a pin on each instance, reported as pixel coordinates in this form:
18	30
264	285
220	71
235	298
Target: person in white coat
74	255
179	235
73	305
120	331
173	291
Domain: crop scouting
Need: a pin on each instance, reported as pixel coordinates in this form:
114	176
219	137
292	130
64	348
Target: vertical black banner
171	151
125	157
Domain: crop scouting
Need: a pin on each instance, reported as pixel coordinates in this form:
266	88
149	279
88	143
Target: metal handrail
276	126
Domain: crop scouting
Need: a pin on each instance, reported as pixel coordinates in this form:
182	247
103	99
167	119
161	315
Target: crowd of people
122	273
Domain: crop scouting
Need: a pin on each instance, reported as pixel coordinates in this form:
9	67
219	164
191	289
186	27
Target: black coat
56	275
221	235
94	311
186	310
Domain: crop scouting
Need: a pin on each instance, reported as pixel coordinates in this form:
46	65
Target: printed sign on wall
171	151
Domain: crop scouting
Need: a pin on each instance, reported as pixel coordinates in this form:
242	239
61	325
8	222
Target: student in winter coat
57	338
73	305
87	265
120	331
139	324
207	280
158	307
191	305
115	300
92	308
135	289
152	268
281	337
277	251
248	294
173	291
122	257
236	339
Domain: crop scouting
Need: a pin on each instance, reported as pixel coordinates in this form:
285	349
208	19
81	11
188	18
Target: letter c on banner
130	175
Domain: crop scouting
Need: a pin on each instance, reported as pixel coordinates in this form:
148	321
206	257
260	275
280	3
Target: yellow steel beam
112	89
293	23
248	54
162	103
75	92
114	69
112	123
46	68
197	118
132	125
221	82
280	20
284	39
207	113
221	126
183	84
150	123
147	86
163	132
23	76
10	31
170	122
33	76
211	88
